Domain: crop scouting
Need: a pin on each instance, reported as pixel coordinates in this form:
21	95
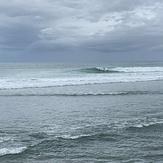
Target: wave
99	70
150	126
91	137
54	142
12	150
125	93
121	69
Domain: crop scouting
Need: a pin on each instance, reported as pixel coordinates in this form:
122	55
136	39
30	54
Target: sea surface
78	113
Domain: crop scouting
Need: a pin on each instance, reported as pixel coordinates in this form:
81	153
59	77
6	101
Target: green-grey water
81	113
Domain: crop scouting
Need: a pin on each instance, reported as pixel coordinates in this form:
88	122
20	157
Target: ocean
77	113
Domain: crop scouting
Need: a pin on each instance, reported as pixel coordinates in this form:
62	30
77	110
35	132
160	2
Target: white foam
139	125
73	137
102	69
11	150
138	69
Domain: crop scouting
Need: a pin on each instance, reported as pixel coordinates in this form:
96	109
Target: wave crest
12	151
152	126
93	137
99	70
122	69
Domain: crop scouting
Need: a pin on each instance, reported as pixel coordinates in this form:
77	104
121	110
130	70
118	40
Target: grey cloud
101	27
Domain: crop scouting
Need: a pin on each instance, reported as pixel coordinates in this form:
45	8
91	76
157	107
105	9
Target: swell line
86	94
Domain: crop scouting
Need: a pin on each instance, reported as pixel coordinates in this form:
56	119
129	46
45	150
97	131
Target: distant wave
99	70
88	94
66	94
12	150
121	69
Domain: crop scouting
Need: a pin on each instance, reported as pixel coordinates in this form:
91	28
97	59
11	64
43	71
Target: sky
81	30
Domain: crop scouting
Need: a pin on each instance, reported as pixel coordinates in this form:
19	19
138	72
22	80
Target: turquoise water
81	113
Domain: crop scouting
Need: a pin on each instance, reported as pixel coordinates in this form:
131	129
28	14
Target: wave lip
12	151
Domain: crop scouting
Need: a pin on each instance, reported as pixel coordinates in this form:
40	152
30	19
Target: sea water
52	112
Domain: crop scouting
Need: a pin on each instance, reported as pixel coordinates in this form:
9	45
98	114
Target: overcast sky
81	30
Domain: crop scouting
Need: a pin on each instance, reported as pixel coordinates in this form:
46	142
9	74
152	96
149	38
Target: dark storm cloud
74	30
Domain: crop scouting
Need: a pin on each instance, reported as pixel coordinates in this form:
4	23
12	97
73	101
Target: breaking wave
138	69
99	70
121	69
12	150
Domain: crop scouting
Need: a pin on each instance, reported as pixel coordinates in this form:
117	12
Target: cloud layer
58	30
